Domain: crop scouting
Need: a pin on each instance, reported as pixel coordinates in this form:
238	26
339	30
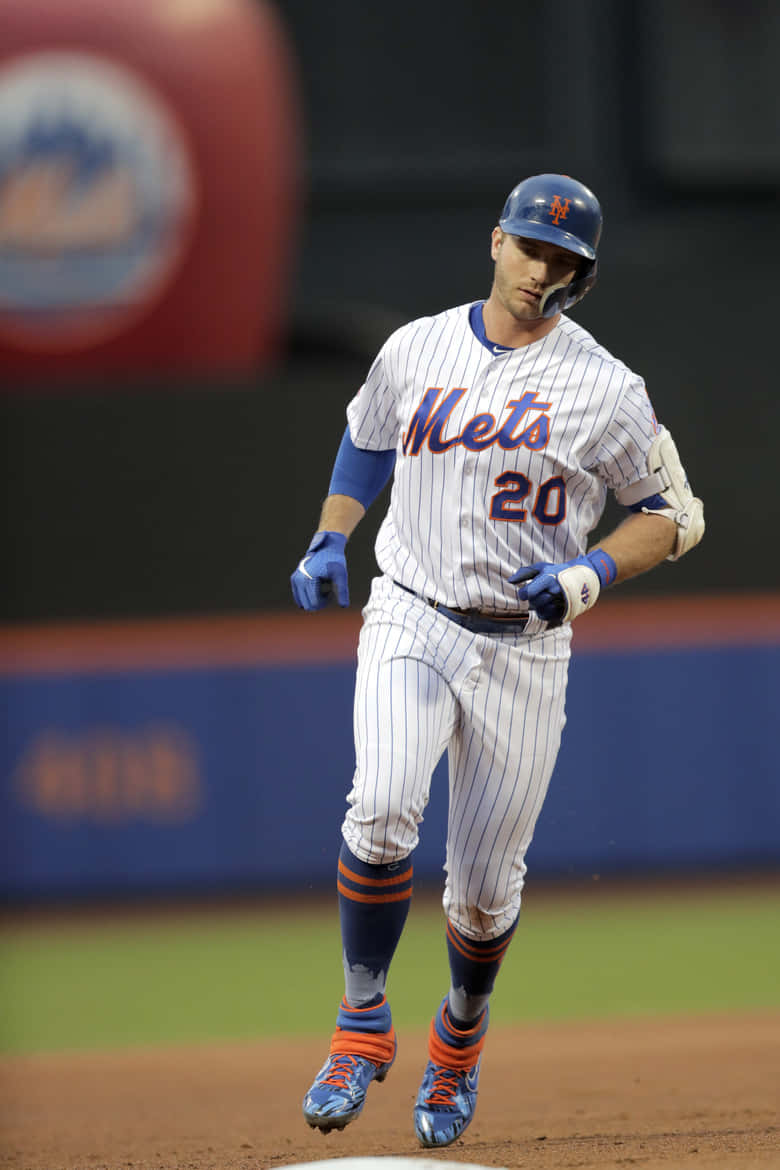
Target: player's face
525	268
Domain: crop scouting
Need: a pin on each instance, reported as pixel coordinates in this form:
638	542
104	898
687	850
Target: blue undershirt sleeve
651	502
360	473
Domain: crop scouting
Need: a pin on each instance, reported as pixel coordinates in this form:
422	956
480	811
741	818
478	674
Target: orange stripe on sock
349	1008
378	1047
472	953
448	1024
450	1057
367	881
375	899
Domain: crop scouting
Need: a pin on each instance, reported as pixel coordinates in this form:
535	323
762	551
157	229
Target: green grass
195	978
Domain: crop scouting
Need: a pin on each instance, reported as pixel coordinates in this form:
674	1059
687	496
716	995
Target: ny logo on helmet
558	210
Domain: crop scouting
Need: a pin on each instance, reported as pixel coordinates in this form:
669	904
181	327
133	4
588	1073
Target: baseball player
504	425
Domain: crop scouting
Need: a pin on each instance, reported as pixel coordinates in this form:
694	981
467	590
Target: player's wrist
328	538
603	565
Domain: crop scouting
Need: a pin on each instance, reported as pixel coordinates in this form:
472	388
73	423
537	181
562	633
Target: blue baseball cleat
362	1050
445	1104
339	1090
448	1094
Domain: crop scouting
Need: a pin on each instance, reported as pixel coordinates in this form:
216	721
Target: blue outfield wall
212	776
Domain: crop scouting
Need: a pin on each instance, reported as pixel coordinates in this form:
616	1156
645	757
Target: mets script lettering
429	421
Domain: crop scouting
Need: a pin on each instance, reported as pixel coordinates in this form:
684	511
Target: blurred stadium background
212	213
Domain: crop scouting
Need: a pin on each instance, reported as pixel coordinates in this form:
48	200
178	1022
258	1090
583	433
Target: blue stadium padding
207	779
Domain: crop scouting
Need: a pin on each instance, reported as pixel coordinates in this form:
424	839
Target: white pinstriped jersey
502	458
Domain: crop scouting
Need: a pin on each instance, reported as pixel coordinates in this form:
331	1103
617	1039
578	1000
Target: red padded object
215	80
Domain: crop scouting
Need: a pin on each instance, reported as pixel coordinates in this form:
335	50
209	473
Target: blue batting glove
322	572
544	594
559	593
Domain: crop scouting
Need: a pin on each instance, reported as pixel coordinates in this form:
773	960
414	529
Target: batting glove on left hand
560	593
322	572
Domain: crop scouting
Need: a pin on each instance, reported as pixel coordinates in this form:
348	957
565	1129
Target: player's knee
475	922
479	916
378	840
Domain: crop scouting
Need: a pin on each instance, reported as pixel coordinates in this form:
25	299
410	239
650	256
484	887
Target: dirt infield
657	1094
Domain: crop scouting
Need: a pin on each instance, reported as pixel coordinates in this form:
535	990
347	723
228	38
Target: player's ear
495	242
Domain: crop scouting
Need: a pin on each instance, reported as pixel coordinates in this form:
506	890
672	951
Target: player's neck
504	329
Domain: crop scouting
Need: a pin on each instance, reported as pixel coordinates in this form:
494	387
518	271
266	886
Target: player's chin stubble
521	309
512	301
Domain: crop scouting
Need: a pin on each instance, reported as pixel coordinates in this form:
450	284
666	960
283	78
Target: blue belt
473	619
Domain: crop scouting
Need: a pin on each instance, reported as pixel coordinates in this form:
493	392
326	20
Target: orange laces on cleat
445	1085
340	1072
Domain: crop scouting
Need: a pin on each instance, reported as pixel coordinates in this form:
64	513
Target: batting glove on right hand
322	572
559	593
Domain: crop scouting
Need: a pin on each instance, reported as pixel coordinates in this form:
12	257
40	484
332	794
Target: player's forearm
638	544
341	514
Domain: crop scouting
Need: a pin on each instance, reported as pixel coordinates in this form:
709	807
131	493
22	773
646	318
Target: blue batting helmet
561	211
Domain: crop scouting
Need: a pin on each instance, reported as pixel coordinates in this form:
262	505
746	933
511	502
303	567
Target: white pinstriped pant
496	702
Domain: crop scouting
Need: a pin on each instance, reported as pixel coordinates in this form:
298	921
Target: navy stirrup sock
454	1045
373	905
474	966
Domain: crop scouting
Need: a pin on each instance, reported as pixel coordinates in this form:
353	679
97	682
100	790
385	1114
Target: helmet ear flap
560	297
